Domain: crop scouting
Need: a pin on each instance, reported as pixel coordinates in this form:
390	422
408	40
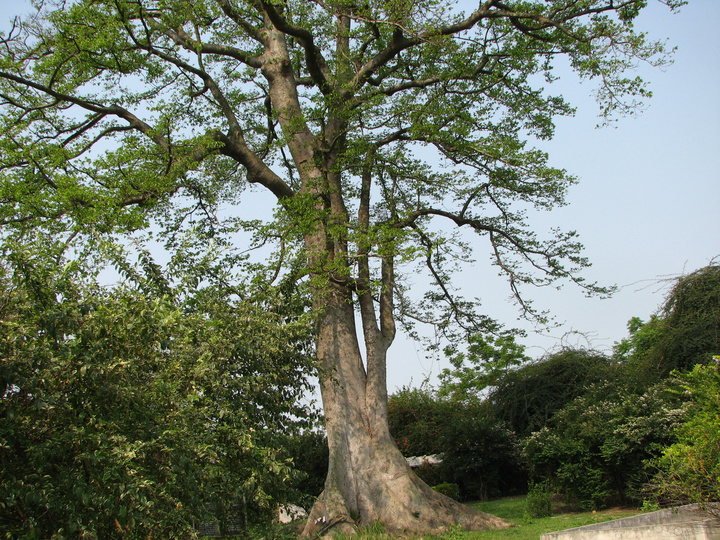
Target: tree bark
368	479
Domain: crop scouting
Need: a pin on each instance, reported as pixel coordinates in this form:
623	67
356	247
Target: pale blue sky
647	205
648	202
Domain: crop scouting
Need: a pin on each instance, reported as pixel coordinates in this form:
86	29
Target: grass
513	509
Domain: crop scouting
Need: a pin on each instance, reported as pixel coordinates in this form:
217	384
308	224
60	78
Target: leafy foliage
131	415
417	418
528	397
488	359
538	503
689	470
594	448
309	453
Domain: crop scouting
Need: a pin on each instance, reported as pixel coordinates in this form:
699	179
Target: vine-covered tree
376	125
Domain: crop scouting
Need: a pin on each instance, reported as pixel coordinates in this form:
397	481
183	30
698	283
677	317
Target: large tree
377	126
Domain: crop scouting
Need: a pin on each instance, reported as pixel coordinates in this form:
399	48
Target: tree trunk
368	479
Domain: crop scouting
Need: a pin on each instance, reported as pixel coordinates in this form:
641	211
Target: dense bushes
480	455
593	450
309	453
133	415
689	470
600	430
416	419
692	321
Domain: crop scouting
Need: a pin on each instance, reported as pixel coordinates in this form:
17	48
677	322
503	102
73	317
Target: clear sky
647	206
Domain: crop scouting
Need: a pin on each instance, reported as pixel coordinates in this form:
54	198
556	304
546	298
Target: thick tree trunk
368	479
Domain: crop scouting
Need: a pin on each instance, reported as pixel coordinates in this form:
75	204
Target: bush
481	455
692	317
689	470
594	449
309	454
125	414
433	474
538	503
416	418
449	490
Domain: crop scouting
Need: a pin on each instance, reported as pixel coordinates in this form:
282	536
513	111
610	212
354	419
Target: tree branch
316	65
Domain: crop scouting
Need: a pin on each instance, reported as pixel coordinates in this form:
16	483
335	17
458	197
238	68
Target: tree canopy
380	128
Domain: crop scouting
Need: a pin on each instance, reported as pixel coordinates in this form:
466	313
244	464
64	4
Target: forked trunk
368	479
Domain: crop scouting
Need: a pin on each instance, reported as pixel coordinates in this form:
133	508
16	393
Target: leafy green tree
121	113
528	397
689	470
685	332
594	449
486	362
127	415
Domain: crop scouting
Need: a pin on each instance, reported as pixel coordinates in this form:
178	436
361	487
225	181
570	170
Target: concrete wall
689	522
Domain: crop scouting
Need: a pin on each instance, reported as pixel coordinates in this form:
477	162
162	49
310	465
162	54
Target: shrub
692	316
481	455
309	454
416	418
594	449
689	470
126	414
538	503
433	474
449	490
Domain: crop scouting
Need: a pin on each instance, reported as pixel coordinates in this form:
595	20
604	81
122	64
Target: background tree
685	331
121	113
131	415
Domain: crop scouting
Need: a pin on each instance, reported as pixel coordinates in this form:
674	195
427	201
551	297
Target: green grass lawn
513	509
